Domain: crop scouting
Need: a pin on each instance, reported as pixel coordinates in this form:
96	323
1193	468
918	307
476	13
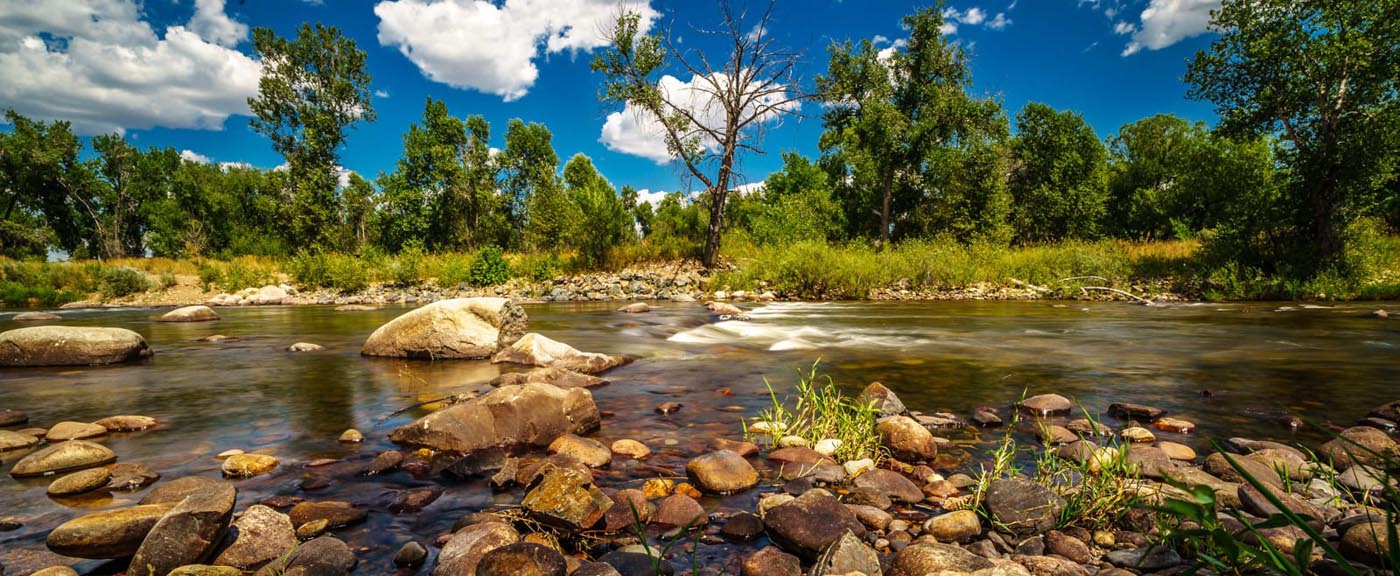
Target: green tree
891	111
476	189
754	84
41	176
423	197
1324	78
1059	181
603	221
358	200
1148	161
530	187
795	204
312	89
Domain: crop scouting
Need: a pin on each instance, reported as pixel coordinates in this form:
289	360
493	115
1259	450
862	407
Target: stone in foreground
462	328
464	550
259	535
323	556
535	350
63	457
809	523
70	346
106	534
722	472
1023	507
509	417
187	534
565	498
923	558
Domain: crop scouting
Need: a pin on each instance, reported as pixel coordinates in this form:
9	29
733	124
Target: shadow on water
1257	361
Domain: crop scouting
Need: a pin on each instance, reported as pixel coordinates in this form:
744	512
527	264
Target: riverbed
1234	369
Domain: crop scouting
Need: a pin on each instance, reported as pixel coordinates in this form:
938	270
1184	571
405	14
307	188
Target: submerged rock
106	534
36	317
806	525
463	328
11	417
305	347
248	465
10	440
126	423
197	313
69	430
554	375
70	346
63	457
509	417
536	350
80	482
635	308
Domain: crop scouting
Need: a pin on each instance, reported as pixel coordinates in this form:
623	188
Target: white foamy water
776	327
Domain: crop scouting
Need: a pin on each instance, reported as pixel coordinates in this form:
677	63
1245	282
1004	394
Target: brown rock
679	510
15	441
259	535
126	423
1368	543
106	534
324	556
463	328
70	346
1077	550
1358	445
906	438
590	452
509	417
564	498
631	449
924	558
883	399
629	507
1217	465
722	472
1180	452
198	313
336	513
461	554
741	448
956	526
174	491
891	484
248	465
535	350
187	534
1176	425
1130	411
1047	405
553	375
36	317
63	457
770	561
69	430
80	482
1023	507
521	559
809	523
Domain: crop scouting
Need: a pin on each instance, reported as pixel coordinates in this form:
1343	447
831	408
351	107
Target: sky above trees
178	73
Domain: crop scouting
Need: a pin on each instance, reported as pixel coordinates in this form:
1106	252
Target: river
1234	369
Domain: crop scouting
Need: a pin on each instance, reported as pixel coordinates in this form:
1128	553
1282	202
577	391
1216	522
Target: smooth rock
745	527
809	523
1130	411
1023	507
521	559
461	554
15	441
36	317
410	554
1077	550
631	449
590	452
63	457
336	513
906	438
248	465
629	507
198	313
305	347
351	436
127	423
386	461
722	472
635	308
205	570
107	534
1357	445
1368	543
1180	452
1217	465
509	417
827	446
70	346
957	526
924	558
891	484
12	417
1363	478
80	482
1138	434
771	561
565	498
552	375
679	511
1087	428
536	350
1047	405
323	556
68	430
174	491
56	571
355	308
847	555
187	534
463	328
259	535
1148	559
883	400
1175	425
1226	493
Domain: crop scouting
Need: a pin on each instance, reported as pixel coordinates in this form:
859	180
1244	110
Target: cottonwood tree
312	89
731	99
1060	178
1323	77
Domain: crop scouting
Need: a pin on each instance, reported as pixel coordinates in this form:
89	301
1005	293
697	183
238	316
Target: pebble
1138	434
668	407
410	554
792	442
1176	425
352	436
858	467
631	449
827	446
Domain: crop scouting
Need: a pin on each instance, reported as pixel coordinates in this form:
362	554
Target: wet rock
848	554
68	430
939	421
36	317
198	313
80	482
508	417
1217	465
56	571
336	513
739	447
594	569
127	423
384	462
742	527
1179	452
1079	451
464	328
906	438
891	484
679	511
1149	461
1256	503
871	517
552	375
205	570
629	563
1287	462
259	535
1130	411
70	346
565	498
1175	425
535	350
809	523
629	507
1358	445
631	449
15	441
1077	550
1023	507
63	457
248	465
590	452
1138	434
1226	493
413	501
1148	559
187	534
1390	411
312	529
883	399
461	554
106	534
635	308
355	308
722	472
176	490
410	554
305	347
1363	478
218	339
1057	435
351	436
324	556
770	561
1047	405
923	558
986	418
724	309
1368	543
11	417
521	559
669	407
1088	428
956	526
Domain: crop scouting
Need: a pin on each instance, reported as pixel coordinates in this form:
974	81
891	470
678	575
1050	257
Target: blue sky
176	73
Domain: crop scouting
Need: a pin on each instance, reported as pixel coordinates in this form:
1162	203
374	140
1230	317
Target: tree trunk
888	187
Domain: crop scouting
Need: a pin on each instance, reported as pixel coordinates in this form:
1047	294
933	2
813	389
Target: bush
489	268
210	276
341	272
539	267
452	270
168	280
122	281
406	269
246	273
17	295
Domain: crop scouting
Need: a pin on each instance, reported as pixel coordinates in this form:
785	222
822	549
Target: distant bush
538	267
406	269
211	276
451	270
342	272
247	273
17	295
122	281
168	280
489	268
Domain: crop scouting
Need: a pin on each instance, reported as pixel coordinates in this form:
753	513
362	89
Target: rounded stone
410	554
1047	405
63	457
1177	451
36	317
174	491
465	549
197	313
68	430
956	526
305	347
906	438
590	452
334	512
679	510
70	346
631	449
80	482
722	472
522	559
1368	543
1023	507
1138	434
351	436
11	417
56	571
259	535
107	534
248	465
126	423
15	441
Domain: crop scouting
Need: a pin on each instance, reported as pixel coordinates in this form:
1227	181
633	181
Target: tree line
1302	163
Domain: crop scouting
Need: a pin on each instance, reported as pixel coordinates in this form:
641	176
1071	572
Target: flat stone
739	447
629	507
15	441
507	418
107	534
1175	425
70	346
323	556
1047	405
127	423
259	535
80	482
197	313
11	417
957	526
1138	434
186	534
635	308
205	570
63	457
305	347
743	527
1180	452
810	523
36	317
336	513
1148	559
69	430
1023	507
552	375
1368	543
464	550
174	491
1130	411
56	571
590	452
535	350
872	517
1217	465
1088	428
722	472
631	449
1226	493
565	498
248	465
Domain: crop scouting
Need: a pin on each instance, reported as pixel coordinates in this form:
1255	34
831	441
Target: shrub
211	275
307	269
452	270
246	273
539	267
345	273
406	269
489	268
18	295
168	280
122	281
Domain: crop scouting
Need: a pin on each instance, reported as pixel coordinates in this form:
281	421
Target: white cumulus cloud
954	18
192	156
637	132
1166	22
491	48
98	64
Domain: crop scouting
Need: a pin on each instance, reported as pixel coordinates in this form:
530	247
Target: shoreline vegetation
1103	270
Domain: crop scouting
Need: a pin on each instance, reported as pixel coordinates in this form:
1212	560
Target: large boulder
268	295
63	457
462	328
187	534
107	534
197	313
70	346
509	417
535	350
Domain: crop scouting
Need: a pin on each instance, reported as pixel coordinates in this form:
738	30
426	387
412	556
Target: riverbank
1108	270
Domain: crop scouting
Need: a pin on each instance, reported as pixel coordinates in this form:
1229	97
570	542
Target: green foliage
211	275
168	280
407	268
534	199
341	272
538	267
488	268
118	281
1060	179
450	270
795	204
603	221
817	410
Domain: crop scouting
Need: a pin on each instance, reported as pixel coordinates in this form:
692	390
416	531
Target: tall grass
816	411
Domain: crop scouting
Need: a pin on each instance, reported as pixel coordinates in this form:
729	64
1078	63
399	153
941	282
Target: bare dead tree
728	107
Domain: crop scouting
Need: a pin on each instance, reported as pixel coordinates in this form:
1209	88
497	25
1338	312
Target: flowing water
1234	369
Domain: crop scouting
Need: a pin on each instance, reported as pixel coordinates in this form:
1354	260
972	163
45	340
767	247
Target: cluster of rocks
269	295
